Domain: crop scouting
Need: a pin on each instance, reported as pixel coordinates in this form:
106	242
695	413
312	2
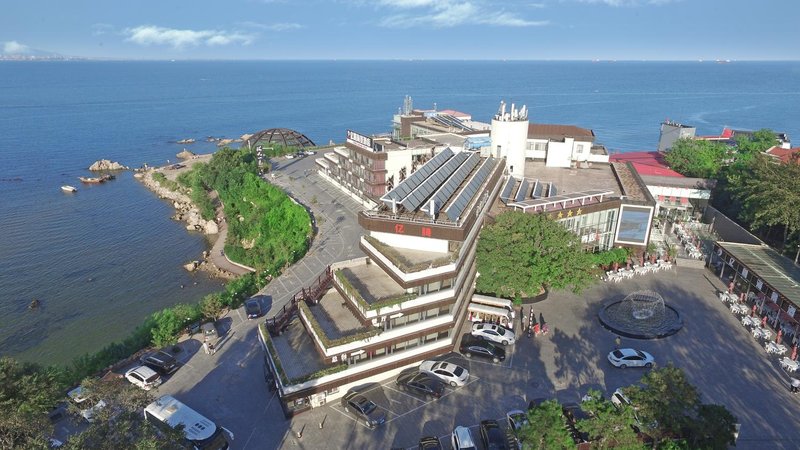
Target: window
430	338
540	146
579	149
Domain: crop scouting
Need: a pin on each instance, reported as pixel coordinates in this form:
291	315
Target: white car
144	377
628	357
461	439
79	397
290	156
494	333
448	372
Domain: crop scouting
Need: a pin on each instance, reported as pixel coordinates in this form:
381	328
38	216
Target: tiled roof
552	131
784	154
647	163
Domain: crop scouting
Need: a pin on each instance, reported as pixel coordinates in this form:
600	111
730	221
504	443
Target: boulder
185	154
105	164
246	137
211	227
223	142
190	266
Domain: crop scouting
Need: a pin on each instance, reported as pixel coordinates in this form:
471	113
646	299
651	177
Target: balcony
369	286
332	323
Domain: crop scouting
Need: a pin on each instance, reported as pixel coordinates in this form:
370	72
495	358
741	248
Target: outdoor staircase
278	323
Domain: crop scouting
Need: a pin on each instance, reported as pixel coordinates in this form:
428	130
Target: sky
404	29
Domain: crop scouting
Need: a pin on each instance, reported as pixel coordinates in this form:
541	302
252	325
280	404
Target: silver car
448	372
494	333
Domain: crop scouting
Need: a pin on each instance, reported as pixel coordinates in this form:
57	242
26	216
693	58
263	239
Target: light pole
798	254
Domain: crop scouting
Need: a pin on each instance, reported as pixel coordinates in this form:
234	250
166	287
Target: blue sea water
104	258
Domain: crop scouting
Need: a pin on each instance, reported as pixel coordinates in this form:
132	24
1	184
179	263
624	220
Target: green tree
759	141
769	192
697	158
609	426
521	253
27	393
665	402
546	428
714	428
211	306
120	424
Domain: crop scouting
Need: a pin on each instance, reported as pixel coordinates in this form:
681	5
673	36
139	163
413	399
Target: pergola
280	136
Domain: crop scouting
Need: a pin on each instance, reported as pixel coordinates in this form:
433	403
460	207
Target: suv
494	333
253	308
462	439
421	383
161	361
363	409
470	345
492	436
143	377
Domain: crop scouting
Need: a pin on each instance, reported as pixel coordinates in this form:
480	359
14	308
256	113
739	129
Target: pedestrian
617	342
206	349
211	348
795	385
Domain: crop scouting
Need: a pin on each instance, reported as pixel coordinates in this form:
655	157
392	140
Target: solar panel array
418	196
537	190
522	191
409	184
553	191
452	183
466	195
505	195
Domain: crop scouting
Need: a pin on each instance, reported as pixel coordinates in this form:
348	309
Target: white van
503	303
201	433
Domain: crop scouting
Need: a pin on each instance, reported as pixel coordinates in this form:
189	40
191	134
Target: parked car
290	156
448	372
472	346
421	383
363	409
628	357
573	414
493	436
533	404
430	443
461	439
620	400
143	377
161	361
494	333
253	308
516	419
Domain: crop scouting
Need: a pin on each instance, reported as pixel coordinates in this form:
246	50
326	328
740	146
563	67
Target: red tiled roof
784	154
646	163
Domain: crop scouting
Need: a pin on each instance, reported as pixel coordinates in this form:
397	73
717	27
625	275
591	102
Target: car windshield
152	378
501	331
367	406
459	371
617	354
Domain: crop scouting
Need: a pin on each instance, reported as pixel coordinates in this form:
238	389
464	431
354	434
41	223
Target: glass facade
596	229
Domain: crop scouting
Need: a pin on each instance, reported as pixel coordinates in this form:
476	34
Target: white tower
509	136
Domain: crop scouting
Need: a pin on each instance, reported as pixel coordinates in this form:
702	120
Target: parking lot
718	355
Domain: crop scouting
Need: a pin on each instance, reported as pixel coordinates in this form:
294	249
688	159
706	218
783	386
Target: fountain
641	315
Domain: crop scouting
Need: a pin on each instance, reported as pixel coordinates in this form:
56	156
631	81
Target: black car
363	409
471	345
493	436
161	361
421	383
430	443
253	308
573	414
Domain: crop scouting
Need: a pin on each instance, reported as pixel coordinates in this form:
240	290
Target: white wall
559	154
508	141
412	242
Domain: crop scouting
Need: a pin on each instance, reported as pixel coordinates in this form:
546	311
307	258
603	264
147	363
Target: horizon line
21	58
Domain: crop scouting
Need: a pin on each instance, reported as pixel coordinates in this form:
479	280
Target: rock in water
190	266
211	227
105	164
185	154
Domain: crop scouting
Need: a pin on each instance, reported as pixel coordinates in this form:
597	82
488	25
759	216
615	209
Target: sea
102	259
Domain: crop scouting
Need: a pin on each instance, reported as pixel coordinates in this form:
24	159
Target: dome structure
280	136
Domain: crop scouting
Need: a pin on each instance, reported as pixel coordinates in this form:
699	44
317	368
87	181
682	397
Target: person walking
205	348
617	342
212	348
795	387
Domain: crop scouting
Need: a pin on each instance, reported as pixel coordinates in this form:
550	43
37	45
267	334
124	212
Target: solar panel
535	183
505	195
455	180
409	184
466	195
418	196
537	190
522	191
553	190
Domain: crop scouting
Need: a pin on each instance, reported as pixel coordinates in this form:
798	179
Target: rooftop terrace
597	177
372	283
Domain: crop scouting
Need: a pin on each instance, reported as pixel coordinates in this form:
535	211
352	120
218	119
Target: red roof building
646	163
785	155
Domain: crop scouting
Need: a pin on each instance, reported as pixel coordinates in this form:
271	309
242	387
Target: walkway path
217	255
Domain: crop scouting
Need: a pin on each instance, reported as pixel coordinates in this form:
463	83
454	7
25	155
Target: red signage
426	232
399	228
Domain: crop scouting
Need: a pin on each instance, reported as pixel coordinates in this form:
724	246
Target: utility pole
797	255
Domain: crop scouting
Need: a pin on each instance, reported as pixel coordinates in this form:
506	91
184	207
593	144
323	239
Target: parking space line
428	403
403	393
333	407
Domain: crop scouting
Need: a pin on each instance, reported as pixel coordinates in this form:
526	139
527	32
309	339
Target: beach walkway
218	257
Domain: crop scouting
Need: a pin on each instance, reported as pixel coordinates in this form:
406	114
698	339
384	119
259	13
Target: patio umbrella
778	337
764	321
794	353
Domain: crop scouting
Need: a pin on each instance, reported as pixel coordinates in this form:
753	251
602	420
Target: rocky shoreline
187	212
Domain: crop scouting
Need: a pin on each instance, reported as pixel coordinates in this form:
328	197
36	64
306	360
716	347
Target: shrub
211	306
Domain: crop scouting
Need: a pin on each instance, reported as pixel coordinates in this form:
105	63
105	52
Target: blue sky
404	29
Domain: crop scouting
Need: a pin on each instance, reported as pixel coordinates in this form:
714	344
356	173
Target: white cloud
272	26
451	13
178	39
14	48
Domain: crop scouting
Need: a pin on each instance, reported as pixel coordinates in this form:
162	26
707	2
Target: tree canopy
546	428
609	426
697	158
521	253
27	393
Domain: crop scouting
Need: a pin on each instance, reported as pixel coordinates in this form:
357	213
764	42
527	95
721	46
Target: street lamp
798	254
